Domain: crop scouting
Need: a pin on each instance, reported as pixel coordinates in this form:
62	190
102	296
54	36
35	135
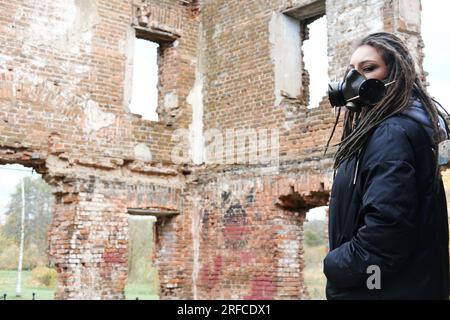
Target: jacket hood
417	112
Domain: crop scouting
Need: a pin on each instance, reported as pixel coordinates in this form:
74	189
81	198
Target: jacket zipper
356	167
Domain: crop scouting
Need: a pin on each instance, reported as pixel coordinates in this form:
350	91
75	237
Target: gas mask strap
332	132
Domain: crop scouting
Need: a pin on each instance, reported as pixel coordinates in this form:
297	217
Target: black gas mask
356	91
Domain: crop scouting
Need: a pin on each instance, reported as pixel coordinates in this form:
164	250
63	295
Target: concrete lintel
157	212
155	34
314	9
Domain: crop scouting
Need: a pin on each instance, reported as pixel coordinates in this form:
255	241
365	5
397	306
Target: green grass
314	278
141	291
8	286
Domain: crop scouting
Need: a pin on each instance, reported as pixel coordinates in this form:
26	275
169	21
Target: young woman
388	223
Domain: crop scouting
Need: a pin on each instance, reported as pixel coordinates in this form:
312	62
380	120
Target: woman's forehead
365	53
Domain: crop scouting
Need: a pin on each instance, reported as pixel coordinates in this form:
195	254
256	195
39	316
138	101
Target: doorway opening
143	281
26	207
315	249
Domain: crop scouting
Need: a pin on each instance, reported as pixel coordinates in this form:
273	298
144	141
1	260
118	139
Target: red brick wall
63	68
247	245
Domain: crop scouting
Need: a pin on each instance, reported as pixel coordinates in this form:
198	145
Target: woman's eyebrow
363	62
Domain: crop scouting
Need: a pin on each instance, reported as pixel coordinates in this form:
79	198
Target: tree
38	214
314	233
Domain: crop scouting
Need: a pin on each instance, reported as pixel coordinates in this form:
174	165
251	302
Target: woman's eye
369	68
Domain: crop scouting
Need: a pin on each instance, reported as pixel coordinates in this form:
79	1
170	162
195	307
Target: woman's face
367	61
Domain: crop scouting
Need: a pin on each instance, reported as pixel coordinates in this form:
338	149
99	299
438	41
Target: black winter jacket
384	211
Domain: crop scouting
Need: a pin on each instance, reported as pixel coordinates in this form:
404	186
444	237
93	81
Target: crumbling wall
248	233
64	68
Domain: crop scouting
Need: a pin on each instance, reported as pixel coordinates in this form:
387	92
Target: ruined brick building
229	216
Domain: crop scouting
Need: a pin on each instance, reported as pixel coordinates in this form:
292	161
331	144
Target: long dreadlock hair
358	126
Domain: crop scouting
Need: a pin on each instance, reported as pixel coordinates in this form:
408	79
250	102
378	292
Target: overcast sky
436	35
144	93
435	32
